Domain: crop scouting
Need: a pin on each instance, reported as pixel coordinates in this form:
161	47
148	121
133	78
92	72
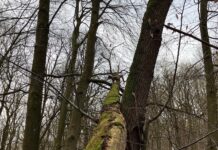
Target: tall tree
33	118
210	79
141	72
76	116
69	80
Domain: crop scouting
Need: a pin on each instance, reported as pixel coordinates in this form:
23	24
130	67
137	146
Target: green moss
96	142
119	120
111	120
113	96
108	120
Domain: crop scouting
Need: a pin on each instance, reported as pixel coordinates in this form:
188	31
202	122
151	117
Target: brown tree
141	72
76	116
69	80
210	78
34	116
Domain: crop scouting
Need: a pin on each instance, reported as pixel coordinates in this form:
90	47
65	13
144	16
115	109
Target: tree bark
110	133
210	79
141	71
34	116
5	133
69	81
75	118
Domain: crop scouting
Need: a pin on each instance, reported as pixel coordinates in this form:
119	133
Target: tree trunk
75	118
34	116
141	71
12	134
69	81
5	134
110	133
210	79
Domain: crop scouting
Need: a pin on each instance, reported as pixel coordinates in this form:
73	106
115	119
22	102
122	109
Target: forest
108	75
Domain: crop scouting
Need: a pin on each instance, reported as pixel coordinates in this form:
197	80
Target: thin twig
196	141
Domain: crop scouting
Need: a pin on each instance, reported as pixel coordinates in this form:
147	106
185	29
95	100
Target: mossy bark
76	116
110	133
142	70
69	81
34	116
210	79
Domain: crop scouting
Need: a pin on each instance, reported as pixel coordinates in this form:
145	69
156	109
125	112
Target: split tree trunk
69	81
76	116
210	79
34	116
141	72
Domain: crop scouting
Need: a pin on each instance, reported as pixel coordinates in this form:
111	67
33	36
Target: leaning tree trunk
76	116
69	81
110	133
34	116
210	79
141	72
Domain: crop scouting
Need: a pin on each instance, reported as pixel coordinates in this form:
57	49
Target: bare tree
141	72
210	79
34	116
